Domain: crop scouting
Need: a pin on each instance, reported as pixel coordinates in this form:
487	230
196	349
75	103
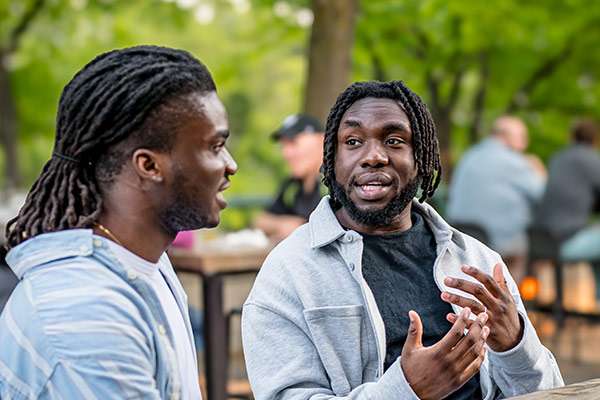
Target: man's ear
149	165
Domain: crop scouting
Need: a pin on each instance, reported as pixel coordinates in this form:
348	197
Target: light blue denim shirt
79	325
496	188
312	329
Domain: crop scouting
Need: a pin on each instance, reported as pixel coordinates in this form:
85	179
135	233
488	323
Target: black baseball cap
295	124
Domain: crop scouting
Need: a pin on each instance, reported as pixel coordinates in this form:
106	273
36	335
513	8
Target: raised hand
436	371
494	298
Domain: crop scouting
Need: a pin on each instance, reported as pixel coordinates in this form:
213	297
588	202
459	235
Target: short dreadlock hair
425	143
111	107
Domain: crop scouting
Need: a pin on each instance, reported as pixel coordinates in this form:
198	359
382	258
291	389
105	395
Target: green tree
472	61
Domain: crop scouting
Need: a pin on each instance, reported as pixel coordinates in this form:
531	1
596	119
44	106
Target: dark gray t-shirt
398	268
572	191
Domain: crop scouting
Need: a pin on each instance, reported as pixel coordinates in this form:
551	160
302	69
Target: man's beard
381	217
183	213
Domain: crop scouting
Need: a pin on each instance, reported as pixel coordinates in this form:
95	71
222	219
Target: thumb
499	276
415	332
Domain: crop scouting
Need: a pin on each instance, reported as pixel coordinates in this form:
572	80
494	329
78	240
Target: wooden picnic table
213	264
587	390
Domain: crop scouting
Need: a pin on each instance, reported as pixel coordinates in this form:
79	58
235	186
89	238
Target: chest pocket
338	333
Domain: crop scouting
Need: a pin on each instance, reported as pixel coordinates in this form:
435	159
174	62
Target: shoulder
81	303
287	268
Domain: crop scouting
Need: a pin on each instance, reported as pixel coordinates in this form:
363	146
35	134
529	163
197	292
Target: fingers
474	305
451	317
455	334
470	346
499	276
415	332
488	282
479	291
473	368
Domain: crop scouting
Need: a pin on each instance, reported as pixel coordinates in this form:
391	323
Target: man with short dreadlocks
139	155
377	297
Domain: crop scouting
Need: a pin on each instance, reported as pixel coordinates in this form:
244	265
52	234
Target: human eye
217	147
352	142
395	141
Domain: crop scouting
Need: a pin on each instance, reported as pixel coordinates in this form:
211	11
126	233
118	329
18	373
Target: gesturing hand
436	371
493	297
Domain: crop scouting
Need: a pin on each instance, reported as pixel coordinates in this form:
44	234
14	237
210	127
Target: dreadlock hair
112	103
425	143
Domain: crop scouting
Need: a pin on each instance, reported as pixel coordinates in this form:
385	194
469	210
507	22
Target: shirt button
161	329
83	248
175	396
348	238
97	243
352	266
131	275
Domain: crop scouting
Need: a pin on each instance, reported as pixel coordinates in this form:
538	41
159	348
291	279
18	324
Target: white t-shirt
183	344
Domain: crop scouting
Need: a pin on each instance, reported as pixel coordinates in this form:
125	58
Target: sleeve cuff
524	355
394	383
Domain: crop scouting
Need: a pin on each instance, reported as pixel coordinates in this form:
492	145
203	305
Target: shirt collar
325	228
48	247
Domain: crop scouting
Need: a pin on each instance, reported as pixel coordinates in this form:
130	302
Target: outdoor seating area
299	199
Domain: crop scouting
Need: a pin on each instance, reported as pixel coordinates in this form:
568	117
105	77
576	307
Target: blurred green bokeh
538	59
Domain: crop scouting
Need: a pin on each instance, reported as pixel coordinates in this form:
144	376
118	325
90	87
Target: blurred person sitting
496	186
572	195
301	140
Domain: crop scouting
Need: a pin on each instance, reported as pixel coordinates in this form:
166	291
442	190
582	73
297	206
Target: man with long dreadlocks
377	297
139	155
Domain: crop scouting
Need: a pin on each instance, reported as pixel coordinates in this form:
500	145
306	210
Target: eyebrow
352	123
388	128
395	127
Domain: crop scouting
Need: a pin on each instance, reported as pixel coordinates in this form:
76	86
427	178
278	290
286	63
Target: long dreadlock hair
113	102
424	139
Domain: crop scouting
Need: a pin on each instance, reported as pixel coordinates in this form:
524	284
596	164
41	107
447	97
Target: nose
374	155
231	166
288	150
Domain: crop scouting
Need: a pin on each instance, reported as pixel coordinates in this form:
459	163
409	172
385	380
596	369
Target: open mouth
372	187
220	198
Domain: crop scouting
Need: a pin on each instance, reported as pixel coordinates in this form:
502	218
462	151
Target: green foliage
435	40
256	52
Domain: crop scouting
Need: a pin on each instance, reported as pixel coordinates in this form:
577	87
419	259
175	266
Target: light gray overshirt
311	328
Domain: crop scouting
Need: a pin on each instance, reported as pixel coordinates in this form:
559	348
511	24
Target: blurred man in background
495	187
572	195
301	139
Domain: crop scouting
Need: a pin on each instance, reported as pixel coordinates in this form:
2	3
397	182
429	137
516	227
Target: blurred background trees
471	61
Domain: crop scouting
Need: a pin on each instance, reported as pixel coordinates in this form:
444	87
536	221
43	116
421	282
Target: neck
135	227
400	223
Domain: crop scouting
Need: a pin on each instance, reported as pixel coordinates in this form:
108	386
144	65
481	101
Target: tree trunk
329	54
8	129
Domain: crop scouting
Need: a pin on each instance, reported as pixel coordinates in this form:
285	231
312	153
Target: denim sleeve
283	363
102	380
81	347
